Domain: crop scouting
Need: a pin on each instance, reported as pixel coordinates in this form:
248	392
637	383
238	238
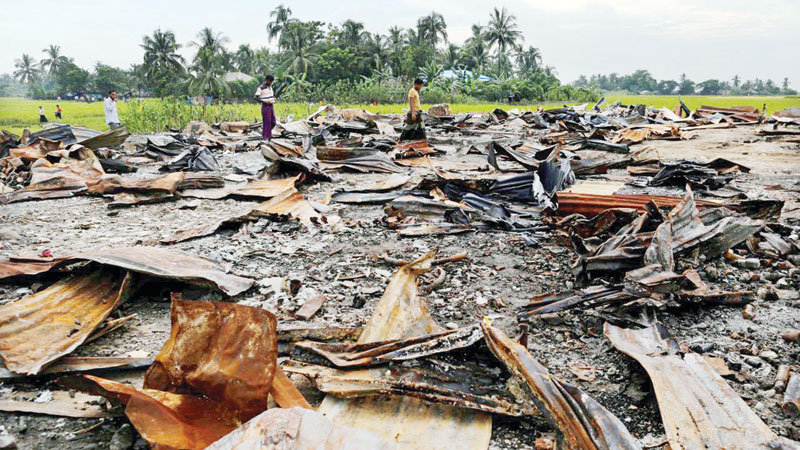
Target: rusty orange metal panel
44	326
591	205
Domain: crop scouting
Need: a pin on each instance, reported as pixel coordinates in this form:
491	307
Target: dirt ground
501	274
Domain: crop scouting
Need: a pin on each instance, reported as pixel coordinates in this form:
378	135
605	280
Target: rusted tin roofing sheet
591	205
44	326
698	407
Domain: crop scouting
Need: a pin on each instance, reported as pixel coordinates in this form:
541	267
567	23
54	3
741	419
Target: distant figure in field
110	110
58	112
415	128
42	117
266	96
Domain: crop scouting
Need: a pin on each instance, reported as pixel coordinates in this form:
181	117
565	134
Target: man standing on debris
110	108
266	96
414	129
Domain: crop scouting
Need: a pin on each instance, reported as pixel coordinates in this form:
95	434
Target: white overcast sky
702	38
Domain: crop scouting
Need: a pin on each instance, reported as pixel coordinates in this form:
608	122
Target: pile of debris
645	233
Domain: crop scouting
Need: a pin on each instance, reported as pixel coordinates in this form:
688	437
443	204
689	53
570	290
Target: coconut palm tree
353	33
299	39
161	54
502	30
26	72
529	60
450	56
54	61
245	58
431	28
736	81
379	47
414	37
207	74
281	16
211	42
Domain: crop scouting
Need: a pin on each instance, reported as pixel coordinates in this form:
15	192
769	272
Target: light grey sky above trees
704	39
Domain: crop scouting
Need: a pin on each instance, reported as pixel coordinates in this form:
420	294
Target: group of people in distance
414	127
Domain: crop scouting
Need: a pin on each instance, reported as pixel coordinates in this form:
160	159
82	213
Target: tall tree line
642	82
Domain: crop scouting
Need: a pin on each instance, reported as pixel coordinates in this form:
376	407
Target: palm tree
431	27
245	58
352	33
54	60
281	16
27	71
502	30
161	54
414	37
736	81
378	46
450	56
213	43
207	72
529	60
785	83
299	39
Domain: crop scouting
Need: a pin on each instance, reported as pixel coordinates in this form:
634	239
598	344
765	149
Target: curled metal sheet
584	423
44	326
698	407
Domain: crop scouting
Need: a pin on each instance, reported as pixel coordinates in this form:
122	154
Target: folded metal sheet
298	429
591	205
70	364
9	269
111	184
214	373
111	138
409	422
44	326
262	189
583	423
698	407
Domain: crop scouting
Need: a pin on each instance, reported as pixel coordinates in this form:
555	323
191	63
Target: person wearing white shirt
110	110
266	96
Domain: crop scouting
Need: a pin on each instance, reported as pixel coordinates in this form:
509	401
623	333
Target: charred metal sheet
263	189
592	205
111	184
47	181
70	364
63	404
411	423
298	429
44	326
10	269
111	138
389	183
582	421
698	407
290	203
366	197
589	297
198	390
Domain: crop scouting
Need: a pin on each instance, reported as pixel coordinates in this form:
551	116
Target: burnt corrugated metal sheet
591	205
44	326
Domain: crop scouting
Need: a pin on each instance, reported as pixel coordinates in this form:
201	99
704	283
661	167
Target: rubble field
585	277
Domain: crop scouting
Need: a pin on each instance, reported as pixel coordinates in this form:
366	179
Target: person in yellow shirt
415	128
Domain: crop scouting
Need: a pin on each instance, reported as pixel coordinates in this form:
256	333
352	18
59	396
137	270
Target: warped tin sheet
409	422
51	323
698	407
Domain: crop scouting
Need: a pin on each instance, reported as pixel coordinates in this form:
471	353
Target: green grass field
17	114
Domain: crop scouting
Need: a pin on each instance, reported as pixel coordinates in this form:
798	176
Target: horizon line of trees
642	82
317	61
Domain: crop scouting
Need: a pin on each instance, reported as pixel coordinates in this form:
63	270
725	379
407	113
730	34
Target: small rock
794	259
782	283
749	311
767	293
759	406
753	361
451	325
122	439
712	273
702	347
749	263
8	442
770	276
769	355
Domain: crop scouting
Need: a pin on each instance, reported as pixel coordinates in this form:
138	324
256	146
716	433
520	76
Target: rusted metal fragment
259	189
592	205
393	181
375	353
109	139
47	181
63	404
9	269
128	199
699	409
285	392
414	148
298	429
311	306
290	203
214	373
44	326
581	420
112	184
589	297
70	364
409	422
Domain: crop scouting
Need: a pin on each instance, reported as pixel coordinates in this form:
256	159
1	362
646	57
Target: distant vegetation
641	82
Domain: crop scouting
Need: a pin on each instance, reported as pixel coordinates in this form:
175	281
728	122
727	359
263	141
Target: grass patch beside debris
153	115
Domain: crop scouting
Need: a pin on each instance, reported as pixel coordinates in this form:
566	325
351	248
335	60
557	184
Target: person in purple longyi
266	97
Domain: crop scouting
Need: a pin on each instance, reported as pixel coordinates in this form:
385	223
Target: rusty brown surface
112	184
69	364
698	408
213	374
791	397
263	189
583	423
592	205
10	269
44	326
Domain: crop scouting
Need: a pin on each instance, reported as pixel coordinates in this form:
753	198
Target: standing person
414	129
266	96
42	117
58	112
110	110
